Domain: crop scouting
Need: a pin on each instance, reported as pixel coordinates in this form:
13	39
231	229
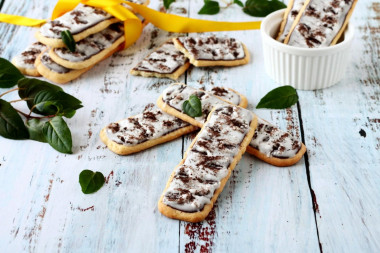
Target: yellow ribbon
132	24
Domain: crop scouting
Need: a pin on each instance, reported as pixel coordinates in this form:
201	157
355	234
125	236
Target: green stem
18	100
28	116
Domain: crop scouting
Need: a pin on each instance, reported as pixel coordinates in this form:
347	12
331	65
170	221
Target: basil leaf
11	124
238	2
29	88
261	8
210	8
58	135
90	181
279	98
35	127
193	106
49	102
9	74
68	39
167	3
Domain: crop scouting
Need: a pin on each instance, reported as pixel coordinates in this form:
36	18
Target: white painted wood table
329	201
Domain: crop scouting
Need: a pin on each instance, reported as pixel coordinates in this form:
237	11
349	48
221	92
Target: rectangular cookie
59	74
165	61
26	59
90	50
82	21
269	143
294	7
153	127
320	23
200	177
213	51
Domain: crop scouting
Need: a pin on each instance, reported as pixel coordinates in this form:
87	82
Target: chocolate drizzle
27	58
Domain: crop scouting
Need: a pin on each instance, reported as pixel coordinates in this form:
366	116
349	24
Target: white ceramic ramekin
303	68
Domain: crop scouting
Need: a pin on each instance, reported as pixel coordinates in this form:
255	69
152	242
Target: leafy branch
42	98
255	8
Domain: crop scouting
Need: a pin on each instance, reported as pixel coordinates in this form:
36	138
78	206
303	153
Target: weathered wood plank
44	209
342	133
262	208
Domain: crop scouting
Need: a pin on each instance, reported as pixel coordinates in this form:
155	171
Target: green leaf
90	181
68	39
29	87
58	135
261	8
9	74
167	3
193	106
238	2
210	8
279	98
49	102
35	127
11	124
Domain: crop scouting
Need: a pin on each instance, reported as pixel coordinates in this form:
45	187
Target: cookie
290	14
153	127
90	50
200	177
59	74
81	22
274	146
26	59
143	131
276	141
165	61
213	51
320	23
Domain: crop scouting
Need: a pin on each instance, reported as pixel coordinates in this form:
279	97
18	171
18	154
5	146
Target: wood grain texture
262	208
342	133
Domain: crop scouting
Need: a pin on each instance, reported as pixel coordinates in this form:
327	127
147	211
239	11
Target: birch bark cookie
200	177
26	59
90	50
294	7
213	51
142	131
276	147
81	22
165	61
320	23
58	73
154	126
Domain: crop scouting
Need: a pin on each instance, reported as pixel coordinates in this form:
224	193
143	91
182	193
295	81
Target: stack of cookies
97	35
315	23
174	57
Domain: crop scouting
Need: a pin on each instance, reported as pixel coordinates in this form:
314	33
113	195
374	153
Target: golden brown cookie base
127	150
206	63
201	215
86	63
53	42
174	76
277	161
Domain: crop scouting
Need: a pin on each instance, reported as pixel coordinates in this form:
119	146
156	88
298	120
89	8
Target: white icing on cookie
76	21
149	125
165	60
273	142
208	161
297	5
320	23
226	94
213	48
93	44
52	65
27	57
